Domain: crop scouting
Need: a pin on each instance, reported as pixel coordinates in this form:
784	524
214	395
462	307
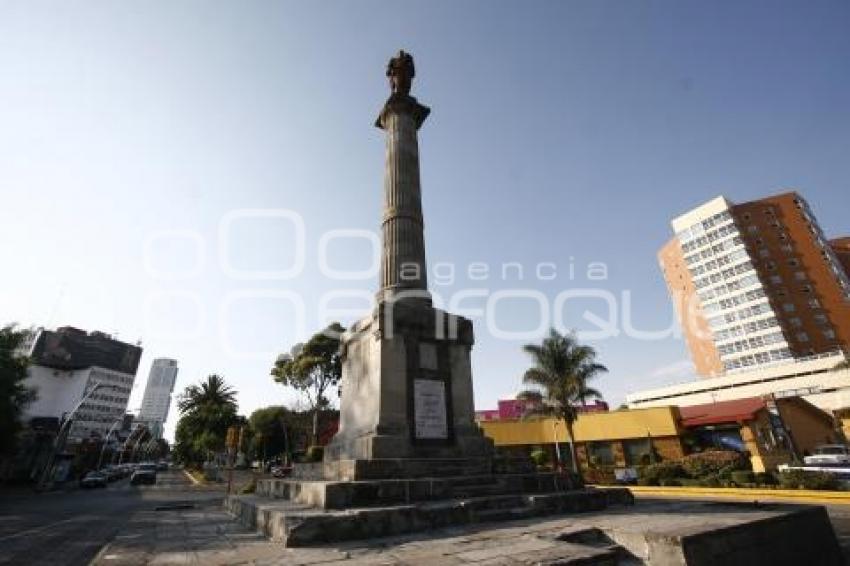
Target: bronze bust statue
400	71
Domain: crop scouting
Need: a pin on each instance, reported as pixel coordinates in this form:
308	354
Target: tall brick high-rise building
757	283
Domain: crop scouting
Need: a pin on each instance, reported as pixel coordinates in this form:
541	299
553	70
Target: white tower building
157	398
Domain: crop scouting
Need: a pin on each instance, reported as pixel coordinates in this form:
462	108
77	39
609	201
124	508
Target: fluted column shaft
403	267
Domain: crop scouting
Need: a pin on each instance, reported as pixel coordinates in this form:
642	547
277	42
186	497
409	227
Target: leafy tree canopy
313	369
206	411
14	395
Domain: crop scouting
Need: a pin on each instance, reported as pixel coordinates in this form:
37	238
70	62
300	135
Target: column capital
399	103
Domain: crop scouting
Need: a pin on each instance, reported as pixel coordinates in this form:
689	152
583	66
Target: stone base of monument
346	494
396	468
589	530
305	513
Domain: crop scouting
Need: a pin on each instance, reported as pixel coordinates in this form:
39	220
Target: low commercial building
771	431
622	438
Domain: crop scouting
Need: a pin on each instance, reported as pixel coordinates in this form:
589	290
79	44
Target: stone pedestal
407	395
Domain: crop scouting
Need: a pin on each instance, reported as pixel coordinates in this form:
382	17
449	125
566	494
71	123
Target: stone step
505	514
301	525
597	538
569	554
388	468
365	493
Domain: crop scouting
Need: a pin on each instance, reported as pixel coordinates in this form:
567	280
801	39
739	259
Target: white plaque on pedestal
429	397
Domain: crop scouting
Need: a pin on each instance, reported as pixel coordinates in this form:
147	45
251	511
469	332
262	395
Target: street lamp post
62	436
106	441
130	444
135	449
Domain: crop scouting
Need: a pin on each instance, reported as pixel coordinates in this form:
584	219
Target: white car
829	455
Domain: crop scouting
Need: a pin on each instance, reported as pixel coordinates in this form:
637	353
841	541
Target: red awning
722	412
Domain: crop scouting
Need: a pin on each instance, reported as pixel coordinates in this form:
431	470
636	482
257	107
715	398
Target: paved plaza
205	534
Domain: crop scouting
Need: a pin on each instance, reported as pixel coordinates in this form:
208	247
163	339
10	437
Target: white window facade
733	298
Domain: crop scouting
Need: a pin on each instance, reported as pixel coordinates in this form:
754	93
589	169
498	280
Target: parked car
281	471
144	474
112	473
93	479
162	466
829	455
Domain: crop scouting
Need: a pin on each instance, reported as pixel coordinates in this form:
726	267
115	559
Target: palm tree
562	368
213	392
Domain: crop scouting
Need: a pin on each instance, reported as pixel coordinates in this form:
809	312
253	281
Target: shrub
314	454
713	462
662	470
710	481
572	479
820	481
725	473
742	477
671	482
600	476
540	457
689	482
801	479
647	481
766	478
791	479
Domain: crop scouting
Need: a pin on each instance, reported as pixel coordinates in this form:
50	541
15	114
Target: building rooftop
70	348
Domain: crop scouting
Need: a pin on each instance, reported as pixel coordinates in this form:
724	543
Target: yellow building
618	438
771	431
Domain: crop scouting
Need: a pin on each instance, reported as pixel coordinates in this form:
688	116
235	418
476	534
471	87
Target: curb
800	495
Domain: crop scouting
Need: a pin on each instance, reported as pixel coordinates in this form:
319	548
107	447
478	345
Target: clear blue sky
563	132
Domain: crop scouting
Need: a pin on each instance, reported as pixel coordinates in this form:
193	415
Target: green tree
270	427
14	396
312	369
212	392
206	410
561	372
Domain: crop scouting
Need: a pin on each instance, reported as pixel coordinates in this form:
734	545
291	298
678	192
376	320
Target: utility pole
231	443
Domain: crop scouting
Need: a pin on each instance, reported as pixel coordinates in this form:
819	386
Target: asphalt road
69	528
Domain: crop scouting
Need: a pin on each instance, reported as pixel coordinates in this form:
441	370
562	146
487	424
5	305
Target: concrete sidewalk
184	534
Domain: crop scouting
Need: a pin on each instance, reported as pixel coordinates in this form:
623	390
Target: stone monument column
407	403
403	267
